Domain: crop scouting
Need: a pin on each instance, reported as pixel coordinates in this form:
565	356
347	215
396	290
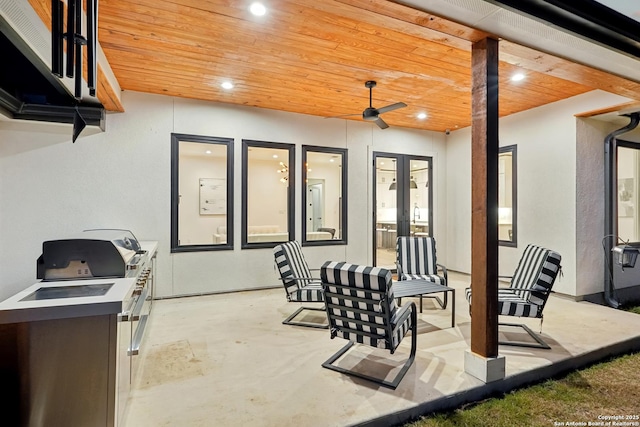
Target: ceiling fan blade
381	124
344	115
391	107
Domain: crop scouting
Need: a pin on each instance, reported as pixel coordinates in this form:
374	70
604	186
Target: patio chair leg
393	384
289	320
540	342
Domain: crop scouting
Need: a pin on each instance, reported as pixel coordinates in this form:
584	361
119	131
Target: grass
607	388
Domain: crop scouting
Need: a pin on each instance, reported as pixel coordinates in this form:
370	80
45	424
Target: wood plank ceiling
313	57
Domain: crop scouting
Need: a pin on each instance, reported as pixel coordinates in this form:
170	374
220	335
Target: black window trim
176	138
246	143
344	231
513	149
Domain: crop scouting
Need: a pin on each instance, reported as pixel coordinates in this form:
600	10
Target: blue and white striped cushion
361	279
416	255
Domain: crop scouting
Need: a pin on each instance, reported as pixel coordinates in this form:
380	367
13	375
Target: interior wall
51	188
195	228
547	189
330	175
267	195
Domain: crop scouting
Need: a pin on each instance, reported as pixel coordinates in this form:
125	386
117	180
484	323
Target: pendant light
393	185
412	183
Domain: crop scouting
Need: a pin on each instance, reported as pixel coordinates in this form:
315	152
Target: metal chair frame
388	336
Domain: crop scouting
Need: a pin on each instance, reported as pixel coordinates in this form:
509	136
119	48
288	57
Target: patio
226	360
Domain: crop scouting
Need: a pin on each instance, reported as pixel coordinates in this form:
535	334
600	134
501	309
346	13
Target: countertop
14	310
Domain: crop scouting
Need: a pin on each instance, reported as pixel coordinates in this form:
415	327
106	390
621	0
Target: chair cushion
309	293
295	273
416	255
430	277
511	304
537	271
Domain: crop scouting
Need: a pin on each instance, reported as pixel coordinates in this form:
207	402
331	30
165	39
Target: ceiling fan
373	114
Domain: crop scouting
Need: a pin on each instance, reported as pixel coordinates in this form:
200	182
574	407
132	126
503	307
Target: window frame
513	149
344	173
246	143
176	138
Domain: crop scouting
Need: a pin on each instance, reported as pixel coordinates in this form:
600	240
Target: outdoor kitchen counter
14	310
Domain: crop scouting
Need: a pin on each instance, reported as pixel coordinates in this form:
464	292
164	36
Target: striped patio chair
298	282
416	259
361	308
528	291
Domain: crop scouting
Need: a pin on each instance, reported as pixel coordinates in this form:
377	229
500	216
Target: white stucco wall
51	188
547	189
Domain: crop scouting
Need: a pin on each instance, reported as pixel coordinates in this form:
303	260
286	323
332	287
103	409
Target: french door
402	200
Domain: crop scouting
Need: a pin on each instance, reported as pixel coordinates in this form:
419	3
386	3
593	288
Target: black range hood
30	91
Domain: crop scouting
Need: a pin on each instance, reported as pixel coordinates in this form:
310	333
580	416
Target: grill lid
94	253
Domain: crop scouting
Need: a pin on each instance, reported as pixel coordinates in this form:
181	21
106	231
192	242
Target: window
628	172
267	193
324	195
201	193
507	196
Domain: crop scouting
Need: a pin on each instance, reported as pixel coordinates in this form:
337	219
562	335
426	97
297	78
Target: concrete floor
227	360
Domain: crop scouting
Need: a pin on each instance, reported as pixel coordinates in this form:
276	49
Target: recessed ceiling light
226	85
208	152
422	116
257	9
517	77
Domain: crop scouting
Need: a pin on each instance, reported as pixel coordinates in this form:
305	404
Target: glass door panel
419	197
386	211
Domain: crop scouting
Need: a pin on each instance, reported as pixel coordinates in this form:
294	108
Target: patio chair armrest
399	270
300	279
403	313
541	291
444	271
